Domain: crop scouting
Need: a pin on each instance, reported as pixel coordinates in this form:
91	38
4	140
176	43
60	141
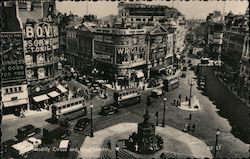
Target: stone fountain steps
125	155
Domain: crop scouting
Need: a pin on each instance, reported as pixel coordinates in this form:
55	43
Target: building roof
10	21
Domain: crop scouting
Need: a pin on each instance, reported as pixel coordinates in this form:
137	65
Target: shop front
15	98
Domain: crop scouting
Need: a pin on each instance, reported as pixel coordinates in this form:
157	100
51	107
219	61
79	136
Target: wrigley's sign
131	50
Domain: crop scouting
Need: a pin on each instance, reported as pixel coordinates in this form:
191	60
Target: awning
139	74
159	68
15	102
40	98
53	94
61	88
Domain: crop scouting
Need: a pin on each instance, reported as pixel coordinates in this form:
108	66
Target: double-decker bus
69	110
171	83
127	97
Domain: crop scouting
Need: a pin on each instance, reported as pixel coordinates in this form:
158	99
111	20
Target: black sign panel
12	56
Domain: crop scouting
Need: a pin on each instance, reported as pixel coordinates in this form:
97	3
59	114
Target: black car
26	131
82	124
108	110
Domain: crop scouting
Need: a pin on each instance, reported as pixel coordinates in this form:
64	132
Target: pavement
194	106
27	114
92	147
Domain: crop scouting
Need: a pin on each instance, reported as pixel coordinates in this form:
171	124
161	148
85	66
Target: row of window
128	93
13	90
69	105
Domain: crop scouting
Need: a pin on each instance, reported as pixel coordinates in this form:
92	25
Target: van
63	148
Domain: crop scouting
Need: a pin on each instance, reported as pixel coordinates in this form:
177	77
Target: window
20	89
11	90
15	89
7	90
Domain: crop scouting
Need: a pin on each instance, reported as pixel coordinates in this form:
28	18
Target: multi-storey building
130	14
235	52
14	92
79	46
41	43
160	50
214	34
121	54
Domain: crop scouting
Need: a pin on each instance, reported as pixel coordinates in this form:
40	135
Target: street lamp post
95	72
164	108
216	142
91	122
191	83
156	114
116	151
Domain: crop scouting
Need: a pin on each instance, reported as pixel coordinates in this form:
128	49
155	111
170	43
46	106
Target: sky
191	9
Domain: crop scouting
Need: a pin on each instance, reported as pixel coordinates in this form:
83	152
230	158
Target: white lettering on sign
41	30
131	50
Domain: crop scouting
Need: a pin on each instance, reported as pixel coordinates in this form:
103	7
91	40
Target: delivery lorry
51	132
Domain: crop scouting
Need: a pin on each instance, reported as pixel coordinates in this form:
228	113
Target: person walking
193	127
190	116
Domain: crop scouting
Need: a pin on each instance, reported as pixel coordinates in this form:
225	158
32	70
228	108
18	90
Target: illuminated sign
41	37
130	50
130	54
13	67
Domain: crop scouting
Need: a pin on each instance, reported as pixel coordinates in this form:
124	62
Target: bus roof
59	104
126	90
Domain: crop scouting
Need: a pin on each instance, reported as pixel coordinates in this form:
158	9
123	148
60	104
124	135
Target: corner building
121	55
41	48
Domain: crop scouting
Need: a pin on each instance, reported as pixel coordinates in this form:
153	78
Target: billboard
41	37
130	54
12	56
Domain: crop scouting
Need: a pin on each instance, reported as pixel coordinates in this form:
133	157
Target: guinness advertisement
13	56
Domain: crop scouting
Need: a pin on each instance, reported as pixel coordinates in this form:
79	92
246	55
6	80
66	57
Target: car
184	68
183	75
108	110
26	131
157	92
81	124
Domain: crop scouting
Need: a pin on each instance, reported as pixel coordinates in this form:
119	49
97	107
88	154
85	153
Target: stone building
235	52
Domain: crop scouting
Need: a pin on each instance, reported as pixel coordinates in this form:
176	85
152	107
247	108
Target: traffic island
194	105
110	142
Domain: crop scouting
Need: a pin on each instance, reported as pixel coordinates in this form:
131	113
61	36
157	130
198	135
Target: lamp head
217	132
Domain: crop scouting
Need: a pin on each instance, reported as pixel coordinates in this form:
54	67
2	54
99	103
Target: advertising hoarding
13	56
41	37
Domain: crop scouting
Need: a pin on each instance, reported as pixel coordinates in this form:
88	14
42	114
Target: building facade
214	34
235	53
130	14
123	51
160	51
14	90
41	48
79	46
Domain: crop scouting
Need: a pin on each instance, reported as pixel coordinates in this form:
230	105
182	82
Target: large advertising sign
127	54
41	37
13	56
